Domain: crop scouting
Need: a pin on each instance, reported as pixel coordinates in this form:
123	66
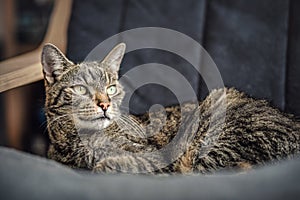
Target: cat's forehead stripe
84	78
92	73
107	78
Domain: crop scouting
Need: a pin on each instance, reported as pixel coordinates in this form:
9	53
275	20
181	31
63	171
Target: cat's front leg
126	164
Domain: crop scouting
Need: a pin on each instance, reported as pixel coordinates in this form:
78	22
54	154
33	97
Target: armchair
254	51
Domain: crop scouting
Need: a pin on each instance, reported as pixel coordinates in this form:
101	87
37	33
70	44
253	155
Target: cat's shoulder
231	93
232	97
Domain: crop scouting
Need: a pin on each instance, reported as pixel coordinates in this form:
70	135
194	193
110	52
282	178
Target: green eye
79	89
111	90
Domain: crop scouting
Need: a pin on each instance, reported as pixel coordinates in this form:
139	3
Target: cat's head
88	92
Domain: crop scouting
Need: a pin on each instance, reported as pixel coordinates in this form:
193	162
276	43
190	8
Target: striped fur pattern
87	136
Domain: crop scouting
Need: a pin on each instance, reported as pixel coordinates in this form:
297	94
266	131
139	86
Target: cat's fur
82	135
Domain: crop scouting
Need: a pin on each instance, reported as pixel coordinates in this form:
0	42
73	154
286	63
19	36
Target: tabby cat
87	129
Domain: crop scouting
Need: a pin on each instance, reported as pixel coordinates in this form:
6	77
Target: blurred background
23	24
255	44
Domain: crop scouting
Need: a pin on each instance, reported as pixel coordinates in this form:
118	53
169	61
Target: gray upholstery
248	41
293	60
24	176
254	43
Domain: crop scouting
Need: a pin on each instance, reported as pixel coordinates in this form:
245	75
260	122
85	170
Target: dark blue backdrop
254	43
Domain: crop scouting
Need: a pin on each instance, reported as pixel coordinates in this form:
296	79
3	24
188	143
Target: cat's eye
111	90
79	89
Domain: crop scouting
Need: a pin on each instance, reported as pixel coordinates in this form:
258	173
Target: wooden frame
26	68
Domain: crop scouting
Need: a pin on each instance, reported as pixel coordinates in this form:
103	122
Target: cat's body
253	133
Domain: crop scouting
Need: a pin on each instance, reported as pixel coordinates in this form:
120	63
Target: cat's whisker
45	128
121	106
54	120
134	125
44	123
125	125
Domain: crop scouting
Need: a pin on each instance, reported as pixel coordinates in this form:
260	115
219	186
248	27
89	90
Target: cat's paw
243	167
118	164
124	164
106	166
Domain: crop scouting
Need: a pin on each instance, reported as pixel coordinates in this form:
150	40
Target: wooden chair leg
16	119
26	68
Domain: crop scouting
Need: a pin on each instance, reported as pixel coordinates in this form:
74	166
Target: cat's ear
114	58
54	63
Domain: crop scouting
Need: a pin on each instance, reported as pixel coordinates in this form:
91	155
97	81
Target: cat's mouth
92	122
101	118
104	117
95	121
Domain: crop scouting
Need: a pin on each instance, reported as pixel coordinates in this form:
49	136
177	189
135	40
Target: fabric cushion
25	176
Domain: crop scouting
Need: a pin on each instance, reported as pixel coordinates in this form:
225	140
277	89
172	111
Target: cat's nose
104	106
